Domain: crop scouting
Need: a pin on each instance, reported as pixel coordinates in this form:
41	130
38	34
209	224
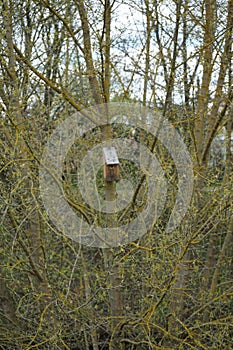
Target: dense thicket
163	291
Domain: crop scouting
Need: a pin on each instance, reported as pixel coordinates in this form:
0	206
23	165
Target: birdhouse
111	164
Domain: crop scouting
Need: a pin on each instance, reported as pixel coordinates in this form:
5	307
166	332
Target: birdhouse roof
110	156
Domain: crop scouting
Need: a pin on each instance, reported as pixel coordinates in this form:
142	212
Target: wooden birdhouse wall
111	172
